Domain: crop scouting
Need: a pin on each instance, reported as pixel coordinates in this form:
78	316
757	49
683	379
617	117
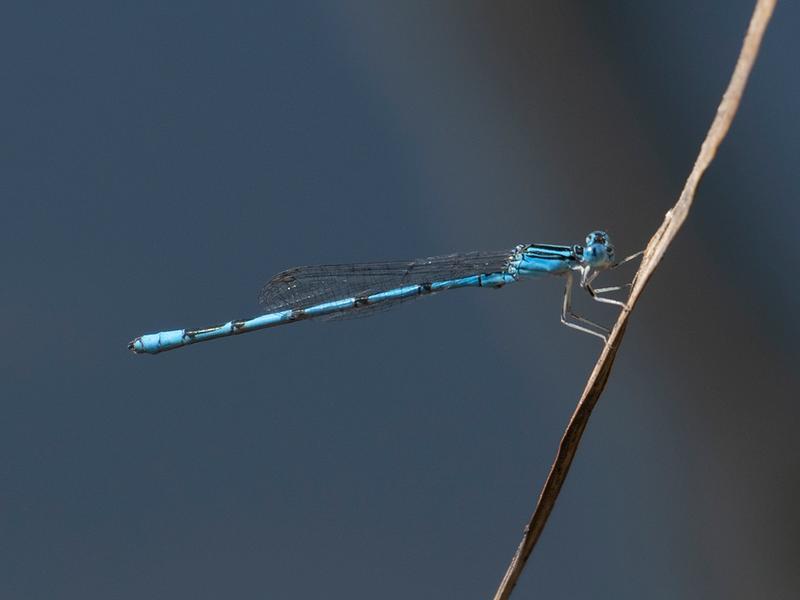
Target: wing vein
302	287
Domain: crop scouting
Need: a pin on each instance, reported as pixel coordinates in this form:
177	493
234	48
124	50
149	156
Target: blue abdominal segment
167	340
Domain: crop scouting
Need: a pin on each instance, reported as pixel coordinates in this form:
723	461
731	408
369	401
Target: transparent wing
302	287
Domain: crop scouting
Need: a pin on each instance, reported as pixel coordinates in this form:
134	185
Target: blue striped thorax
546	259
536	260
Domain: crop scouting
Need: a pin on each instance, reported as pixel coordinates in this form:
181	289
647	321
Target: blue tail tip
136	345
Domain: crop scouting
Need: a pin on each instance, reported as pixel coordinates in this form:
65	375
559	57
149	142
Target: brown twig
652	257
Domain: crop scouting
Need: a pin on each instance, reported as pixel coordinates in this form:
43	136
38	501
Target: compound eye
597	237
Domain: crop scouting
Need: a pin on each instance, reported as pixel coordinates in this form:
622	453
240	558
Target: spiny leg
587	277
614	288
626	259
617	265
593	293
566	309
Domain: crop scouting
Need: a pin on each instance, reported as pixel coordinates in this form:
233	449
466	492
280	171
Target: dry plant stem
652	257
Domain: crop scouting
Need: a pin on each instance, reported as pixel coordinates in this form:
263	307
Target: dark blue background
161	160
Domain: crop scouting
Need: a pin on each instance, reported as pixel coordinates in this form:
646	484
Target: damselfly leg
566	310
587	276
596	293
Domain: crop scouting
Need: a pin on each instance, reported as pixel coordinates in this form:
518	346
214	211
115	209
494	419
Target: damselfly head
598	251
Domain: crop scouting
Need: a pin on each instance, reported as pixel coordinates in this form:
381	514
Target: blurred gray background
161	160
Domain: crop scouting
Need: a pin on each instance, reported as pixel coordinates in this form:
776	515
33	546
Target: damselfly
337	291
